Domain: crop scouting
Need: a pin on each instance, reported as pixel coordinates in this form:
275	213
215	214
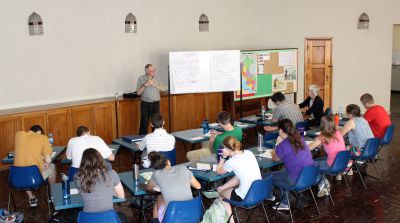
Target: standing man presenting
148	87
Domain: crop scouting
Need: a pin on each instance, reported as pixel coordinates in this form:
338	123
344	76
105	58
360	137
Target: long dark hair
294	137
91	169
328	129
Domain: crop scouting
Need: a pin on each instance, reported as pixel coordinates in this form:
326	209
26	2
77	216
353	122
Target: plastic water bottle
135	172
205	126
263	112
51	139
65	186
260	142
340	112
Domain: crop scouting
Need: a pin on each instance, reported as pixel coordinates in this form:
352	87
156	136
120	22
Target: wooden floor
380	203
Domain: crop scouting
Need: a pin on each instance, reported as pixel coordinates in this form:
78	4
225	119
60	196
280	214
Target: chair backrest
99	217
328	111
71	173
25	177
270	136
307	178
370	149
340	162
258	192
301	127
184	211
171	155
387	138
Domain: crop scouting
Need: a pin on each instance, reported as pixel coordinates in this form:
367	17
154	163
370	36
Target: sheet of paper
260	68
286	59
309	142
157	188
214	168
242	125
203	166
197	138
53	154
317	133
267	154
208	134
73	191
211	194
146	175
213	124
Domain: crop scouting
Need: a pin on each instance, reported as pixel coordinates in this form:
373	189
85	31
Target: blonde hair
232	143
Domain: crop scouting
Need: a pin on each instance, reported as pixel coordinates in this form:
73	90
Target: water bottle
340	112
263	112
205	126
135	172
65	186
51	139
260	142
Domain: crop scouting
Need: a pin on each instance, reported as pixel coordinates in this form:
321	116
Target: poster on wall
278	82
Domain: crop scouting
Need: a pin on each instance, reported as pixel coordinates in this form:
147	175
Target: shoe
272	198
360	163
338	177
281	207
33	202
324	191
350	173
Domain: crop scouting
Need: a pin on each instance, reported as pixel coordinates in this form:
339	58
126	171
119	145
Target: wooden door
318	67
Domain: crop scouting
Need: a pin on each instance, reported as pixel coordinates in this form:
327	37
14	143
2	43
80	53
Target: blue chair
368	154
71	173
338	166
301	127
270	139
259	191
190	211
387	139
305	181
99	217
24	179
171	155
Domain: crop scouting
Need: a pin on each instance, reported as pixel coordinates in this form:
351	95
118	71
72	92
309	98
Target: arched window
35	24
363	21
130	23
203	23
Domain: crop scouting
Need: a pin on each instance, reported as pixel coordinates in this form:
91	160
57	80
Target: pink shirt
334	146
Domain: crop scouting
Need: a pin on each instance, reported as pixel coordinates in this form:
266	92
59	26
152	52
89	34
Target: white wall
85	53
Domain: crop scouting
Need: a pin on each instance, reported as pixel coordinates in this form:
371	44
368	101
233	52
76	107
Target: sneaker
324	191
339	177
33	202
350	173
360	163
281	207
272	198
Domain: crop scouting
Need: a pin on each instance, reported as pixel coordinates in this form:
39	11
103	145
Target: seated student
333	142
294	153
376	116
245	166
174	182
216	138
357	129
158	141
284	110
96	183
33	148
314	105
77	145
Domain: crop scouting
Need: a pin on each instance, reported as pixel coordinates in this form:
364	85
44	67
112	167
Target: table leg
142	210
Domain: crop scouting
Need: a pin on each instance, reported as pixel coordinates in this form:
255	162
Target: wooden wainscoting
107	118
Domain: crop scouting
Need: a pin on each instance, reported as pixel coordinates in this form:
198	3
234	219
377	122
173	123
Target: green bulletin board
267	71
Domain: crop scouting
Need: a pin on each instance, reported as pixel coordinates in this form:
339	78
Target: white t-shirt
157	141
77	145
246	169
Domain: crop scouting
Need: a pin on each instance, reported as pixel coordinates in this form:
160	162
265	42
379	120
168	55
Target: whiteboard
204	71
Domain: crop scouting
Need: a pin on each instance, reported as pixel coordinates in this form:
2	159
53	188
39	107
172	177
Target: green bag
216	213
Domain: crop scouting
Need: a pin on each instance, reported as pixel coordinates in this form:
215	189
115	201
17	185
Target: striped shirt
157	141
288	110
150	93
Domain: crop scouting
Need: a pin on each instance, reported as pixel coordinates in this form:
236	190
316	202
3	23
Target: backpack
216	213
10	217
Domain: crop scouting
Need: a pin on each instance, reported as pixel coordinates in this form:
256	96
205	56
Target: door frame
305	66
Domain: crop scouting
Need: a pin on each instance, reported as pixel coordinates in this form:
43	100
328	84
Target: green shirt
236	132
